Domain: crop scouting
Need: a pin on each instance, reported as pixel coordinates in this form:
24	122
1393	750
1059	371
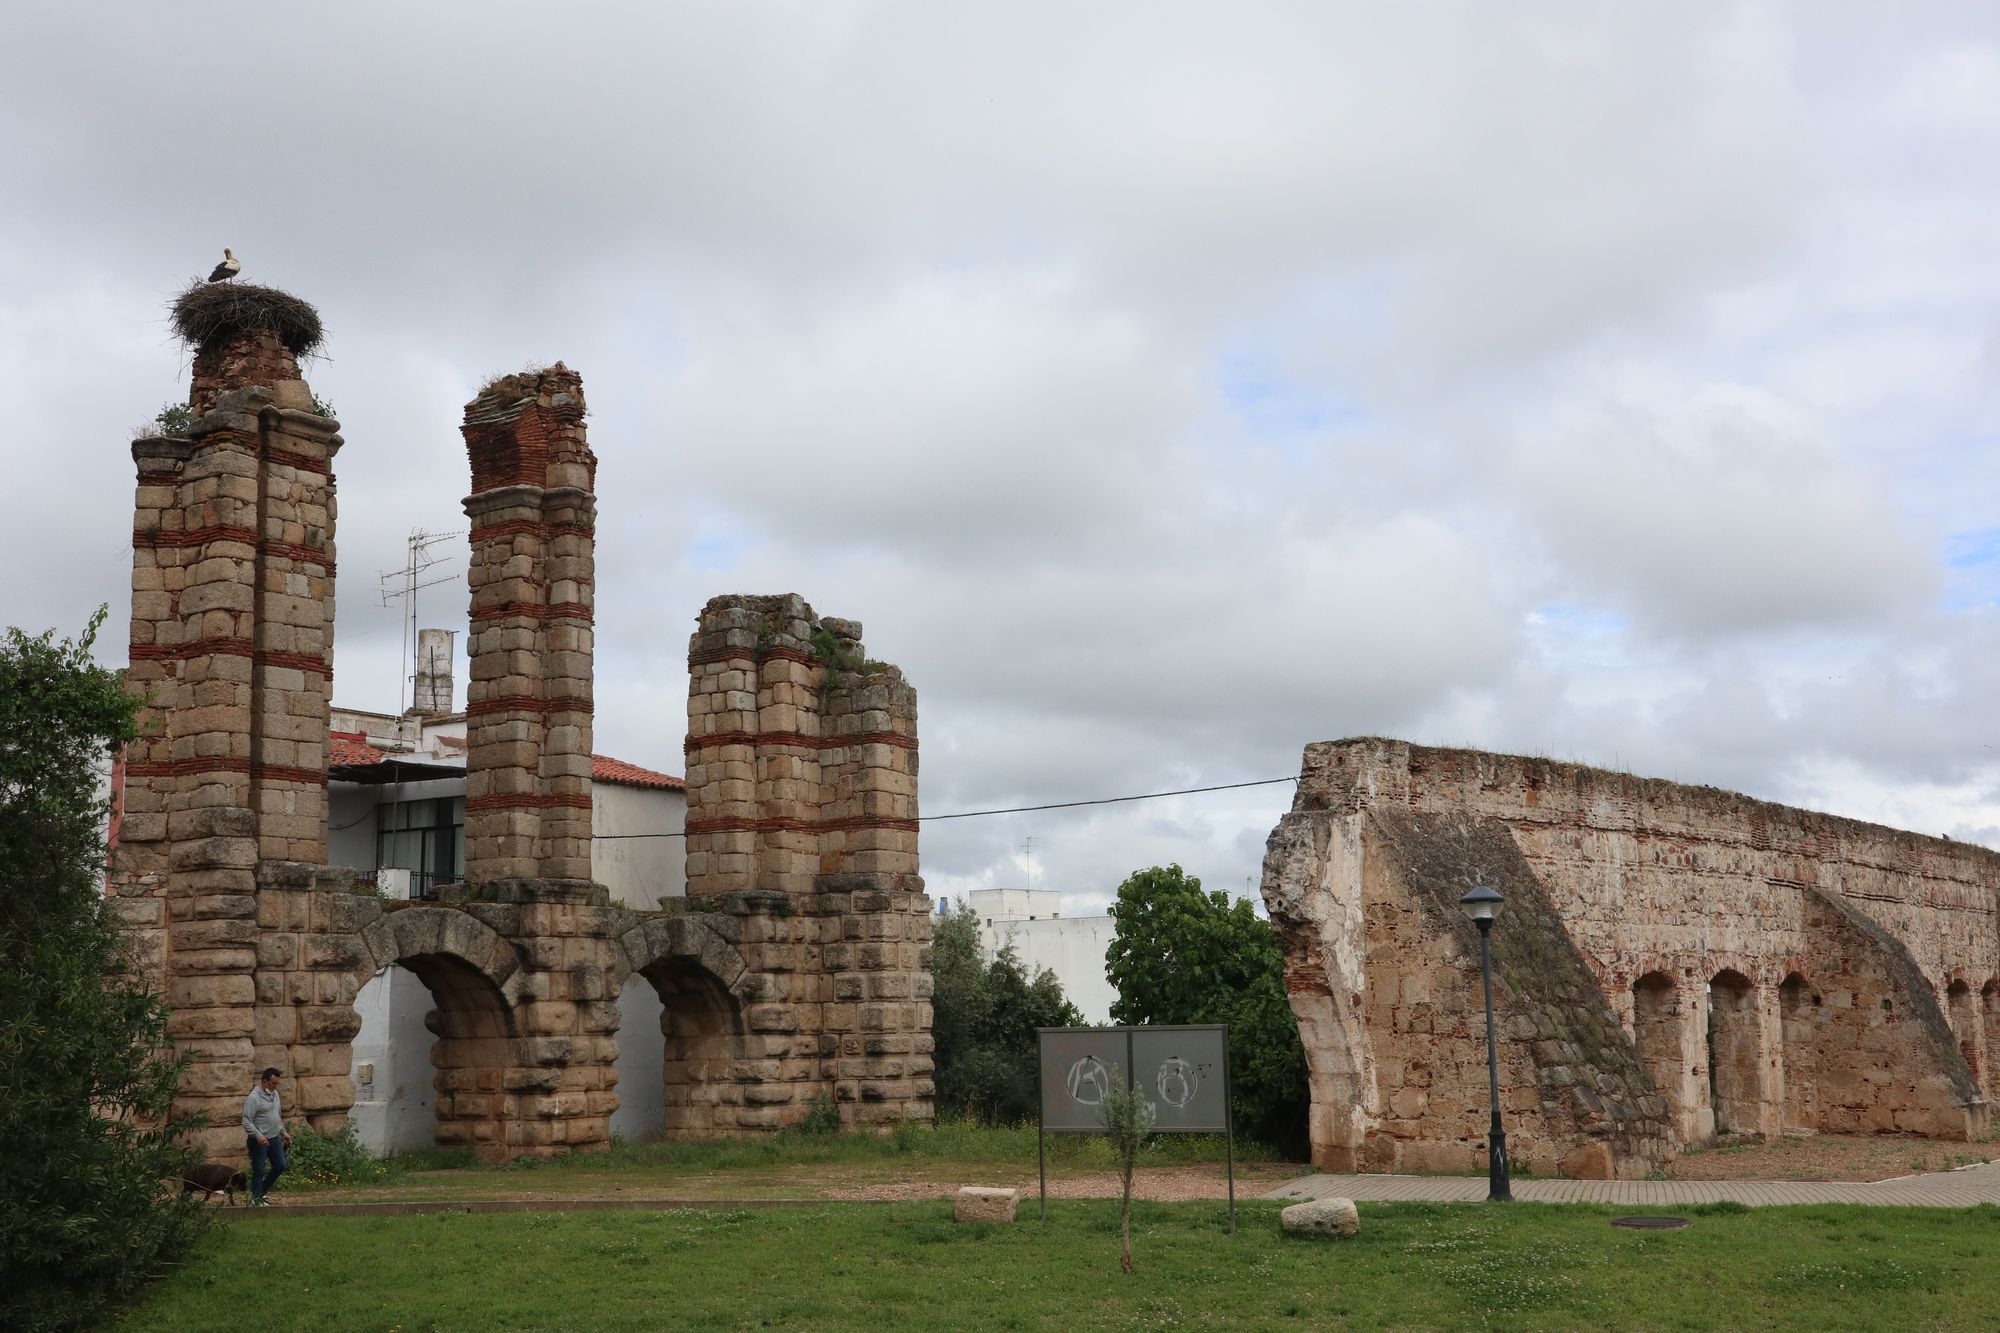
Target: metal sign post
1183	1072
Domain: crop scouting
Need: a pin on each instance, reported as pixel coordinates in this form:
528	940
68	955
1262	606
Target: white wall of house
350	824
393	1104
1072	947
642	1057
1014	904
640	872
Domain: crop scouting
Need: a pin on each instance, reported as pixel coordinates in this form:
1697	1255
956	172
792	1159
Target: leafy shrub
1179	955
822	1116
88	1143
318	1161
983	1021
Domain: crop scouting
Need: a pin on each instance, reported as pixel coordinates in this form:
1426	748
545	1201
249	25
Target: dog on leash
213	1178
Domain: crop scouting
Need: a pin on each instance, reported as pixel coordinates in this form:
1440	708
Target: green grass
766	1165
908	1266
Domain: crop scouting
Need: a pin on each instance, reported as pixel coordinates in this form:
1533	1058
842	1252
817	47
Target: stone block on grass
978	1203
1321	1217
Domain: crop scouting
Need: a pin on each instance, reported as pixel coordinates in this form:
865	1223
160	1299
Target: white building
1072	947
396	801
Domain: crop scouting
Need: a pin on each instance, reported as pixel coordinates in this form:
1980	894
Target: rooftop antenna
1028	846
403	583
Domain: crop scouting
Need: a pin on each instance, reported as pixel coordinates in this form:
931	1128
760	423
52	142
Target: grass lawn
789	1165
908	1266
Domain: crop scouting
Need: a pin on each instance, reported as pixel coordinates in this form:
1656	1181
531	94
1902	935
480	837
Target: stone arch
1660	1033
704	988
472	975
1961	1009
1798	1045
1734	1043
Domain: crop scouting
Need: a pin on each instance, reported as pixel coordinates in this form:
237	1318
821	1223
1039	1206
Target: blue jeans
262	1156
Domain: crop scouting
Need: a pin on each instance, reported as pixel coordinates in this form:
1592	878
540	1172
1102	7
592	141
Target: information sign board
1181	1071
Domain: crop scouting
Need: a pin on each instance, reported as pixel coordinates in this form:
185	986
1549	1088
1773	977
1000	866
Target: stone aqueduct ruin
1672	963
800	965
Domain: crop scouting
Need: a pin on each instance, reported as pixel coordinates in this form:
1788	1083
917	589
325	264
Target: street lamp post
1481	905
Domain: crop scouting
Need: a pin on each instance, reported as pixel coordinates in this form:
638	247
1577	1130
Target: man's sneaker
261	1203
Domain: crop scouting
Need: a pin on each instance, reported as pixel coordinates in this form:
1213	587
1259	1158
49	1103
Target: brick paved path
1944	1189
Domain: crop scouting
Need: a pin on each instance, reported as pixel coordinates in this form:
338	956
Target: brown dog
212	1178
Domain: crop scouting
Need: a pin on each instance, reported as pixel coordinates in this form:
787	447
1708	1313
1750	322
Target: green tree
88	1151
1179	955
983	1021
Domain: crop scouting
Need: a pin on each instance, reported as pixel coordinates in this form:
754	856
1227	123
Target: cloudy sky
1164	386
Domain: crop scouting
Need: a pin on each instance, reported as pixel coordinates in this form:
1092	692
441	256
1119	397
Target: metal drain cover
1650	1223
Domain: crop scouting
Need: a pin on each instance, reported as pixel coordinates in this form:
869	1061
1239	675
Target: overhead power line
1024	809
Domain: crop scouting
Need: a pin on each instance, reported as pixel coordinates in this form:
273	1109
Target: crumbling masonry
799	964
1672	964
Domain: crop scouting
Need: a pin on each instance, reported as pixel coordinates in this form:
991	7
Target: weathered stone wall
231	644
798	967
802	781
1818	949
533	574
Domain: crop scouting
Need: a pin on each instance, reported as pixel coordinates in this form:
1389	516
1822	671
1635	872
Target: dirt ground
1161	1184
1828	1157
1817	1157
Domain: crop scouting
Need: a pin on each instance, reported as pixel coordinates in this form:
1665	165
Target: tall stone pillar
231	639
533	575
802	801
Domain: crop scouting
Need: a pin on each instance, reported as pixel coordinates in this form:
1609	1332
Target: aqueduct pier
799	964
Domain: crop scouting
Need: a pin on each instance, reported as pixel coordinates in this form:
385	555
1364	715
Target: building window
426	838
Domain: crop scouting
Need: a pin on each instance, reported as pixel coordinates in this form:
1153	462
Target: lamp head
1481	904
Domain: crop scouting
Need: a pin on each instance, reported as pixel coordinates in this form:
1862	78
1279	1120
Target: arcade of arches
1672	964
797	966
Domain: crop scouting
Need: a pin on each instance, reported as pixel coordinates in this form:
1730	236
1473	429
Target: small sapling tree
1128	1123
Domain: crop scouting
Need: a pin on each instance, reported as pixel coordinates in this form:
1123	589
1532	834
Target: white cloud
1164	387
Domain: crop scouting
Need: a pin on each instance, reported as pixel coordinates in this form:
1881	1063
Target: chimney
434	660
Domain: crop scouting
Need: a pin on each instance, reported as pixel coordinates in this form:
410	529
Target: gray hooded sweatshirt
261	1114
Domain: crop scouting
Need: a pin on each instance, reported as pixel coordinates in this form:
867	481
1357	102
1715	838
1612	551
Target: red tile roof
350	749
603	768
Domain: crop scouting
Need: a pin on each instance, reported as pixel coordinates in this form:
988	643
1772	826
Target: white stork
228	268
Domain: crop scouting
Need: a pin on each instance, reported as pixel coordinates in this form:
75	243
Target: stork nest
211	312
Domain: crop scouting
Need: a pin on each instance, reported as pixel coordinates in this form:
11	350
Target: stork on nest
208	312
228	268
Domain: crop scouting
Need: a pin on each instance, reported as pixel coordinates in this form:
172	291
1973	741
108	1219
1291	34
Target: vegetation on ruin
86	1074
1181	955
211	312
983	1021
172	422
909	1266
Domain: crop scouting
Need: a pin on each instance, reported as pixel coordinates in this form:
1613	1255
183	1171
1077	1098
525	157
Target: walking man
265	1136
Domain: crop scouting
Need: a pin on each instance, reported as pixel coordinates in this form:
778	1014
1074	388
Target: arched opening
642	1051
1732	1052
1797	1032
394	1088
1963	1011
1656	1031
1989	1007
701	1030
431	1058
